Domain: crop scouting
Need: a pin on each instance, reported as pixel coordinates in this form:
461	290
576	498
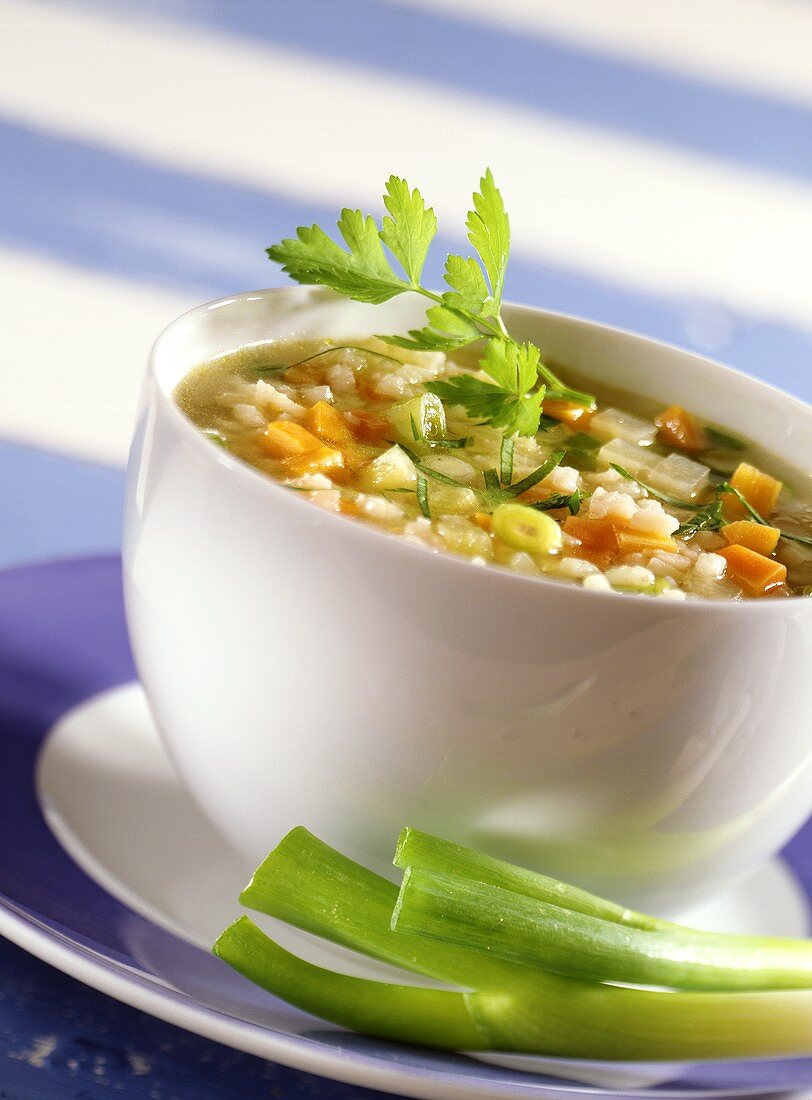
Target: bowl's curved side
306	669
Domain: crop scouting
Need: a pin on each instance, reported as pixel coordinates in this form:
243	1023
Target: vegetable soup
609	492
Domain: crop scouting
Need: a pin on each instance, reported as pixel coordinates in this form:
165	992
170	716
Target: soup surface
624	496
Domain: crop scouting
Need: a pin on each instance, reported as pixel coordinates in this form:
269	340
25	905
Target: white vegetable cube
679	476
619	506
614	424
710	566
391	470
450	466
637	460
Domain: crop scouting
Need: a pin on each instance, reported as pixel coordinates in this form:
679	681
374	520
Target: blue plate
62	641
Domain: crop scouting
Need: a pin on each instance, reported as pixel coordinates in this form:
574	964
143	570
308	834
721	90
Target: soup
620	495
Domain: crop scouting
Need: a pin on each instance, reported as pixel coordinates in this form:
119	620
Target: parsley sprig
516	381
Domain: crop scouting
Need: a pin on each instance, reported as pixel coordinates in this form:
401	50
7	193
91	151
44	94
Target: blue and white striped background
655	155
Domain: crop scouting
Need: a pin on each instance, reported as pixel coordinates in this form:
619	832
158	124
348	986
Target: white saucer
109	793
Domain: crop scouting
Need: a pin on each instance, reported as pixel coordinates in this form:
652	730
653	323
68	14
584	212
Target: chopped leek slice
524	528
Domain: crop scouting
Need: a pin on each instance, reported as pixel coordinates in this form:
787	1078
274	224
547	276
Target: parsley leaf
469	291
507	401
410	229
447	329
362	273
489	233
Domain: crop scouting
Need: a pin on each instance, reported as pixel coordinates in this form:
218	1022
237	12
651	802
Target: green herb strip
537	475
722	439
272	368
423	495
506	459
571	501
491	479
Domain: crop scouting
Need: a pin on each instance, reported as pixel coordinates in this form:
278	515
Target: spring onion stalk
509	1008
555	1017
308	884
433	855
539	934
409	1014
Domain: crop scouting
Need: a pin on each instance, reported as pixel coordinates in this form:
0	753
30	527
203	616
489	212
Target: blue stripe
54	507
95	208
529	72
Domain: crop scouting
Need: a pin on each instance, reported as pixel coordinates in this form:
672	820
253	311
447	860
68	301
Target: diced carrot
635	542
368	426
325	421
286	438
348	507
679	429
754	573
593	534
321	460
483	520
759	490
569	413
755	536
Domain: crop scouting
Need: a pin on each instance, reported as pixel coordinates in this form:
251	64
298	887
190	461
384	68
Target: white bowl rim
501	575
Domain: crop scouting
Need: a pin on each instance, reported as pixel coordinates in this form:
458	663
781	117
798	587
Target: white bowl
307	669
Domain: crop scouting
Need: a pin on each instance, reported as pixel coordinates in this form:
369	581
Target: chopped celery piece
536	933
523	528
393	469
418	419
614	424
424	852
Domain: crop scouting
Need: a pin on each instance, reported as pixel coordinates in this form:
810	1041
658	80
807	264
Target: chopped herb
709	518
216	437
426	471
722	439
491	479
272	368
423	495
664	497
537	475
506	459
572	501
415	432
